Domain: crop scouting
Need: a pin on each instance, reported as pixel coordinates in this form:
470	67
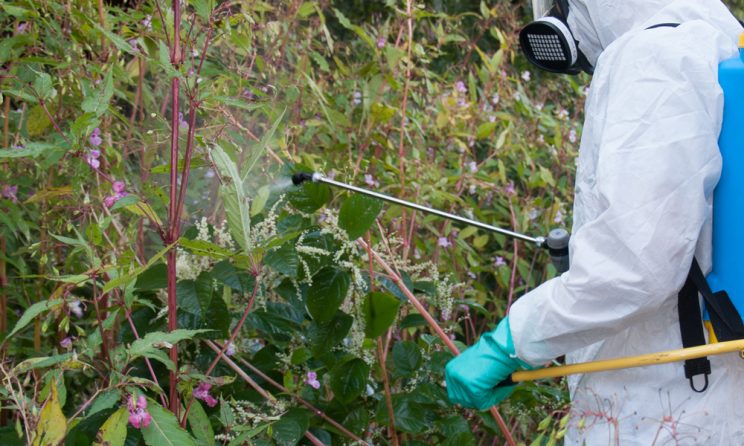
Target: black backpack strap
691	327
724	316
726	321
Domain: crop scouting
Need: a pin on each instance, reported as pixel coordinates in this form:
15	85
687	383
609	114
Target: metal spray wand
556	242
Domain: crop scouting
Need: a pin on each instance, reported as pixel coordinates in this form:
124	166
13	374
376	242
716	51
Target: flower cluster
202	393
138	416
119	193
312	380
10	192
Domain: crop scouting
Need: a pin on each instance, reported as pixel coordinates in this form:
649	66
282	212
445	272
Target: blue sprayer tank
728	198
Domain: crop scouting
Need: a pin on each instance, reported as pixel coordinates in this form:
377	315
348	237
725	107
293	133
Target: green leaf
126	278
33	311
32	150
283	260
325	336
380	310
406	359
149	345
154	278
98	102
327	293
349	379
236	202
114	430
258	151
164	430
485	130
52	424
205	249
309	197
43	86
410	416
200	425
105	400
288	431
117	40
357	214
355	28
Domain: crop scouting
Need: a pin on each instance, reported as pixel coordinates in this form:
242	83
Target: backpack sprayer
556	242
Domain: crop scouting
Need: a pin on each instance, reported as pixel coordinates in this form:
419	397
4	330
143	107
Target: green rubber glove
472	377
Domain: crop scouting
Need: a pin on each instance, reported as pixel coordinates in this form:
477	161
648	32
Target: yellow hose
632	361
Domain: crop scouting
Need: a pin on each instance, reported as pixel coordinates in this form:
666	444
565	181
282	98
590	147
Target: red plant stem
128	315
433	324
237	370
173	232
300	400
388	397
100	319
221	354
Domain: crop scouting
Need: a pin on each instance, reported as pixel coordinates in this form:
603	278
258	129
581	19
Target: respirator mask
547	42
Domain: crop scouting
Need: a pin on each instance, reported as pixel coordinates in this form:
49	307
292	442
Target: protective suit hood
598	23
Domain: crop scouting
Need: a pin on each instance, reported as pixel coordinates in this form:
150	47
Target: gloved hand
472	377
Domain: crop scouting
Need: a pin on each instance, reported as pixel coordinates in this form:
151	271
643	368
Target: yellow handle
631	361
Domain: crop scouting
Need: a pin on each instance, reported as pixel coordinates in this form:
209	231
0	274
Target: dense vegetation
209	301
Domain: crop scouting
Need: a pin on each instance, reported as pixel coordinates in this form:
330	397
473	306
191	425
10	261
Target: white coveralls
648	164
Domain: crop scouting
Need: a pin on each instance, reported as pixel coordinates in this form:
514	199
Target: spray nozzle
301	177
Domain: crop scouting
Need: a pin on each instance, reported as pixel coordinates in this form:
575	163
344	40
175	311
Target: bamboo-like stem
175	59
264	393
221	353
299	399
404	111
435	326
388	396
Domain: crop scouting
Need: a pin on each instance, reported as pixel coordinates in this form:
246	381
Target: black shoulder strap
726	321
691	328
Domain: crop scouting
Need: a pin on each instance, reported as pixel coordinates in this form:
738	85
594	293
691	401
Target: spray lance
556	242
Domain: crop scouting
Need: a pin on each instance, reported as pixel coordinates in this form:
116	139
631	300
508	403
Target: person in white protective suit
648	165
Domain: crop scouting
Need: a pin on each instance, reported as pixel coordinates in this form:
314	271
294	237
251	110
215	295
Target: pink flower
66	343
147	22
381	42
119	193
312	380
369	180
231	349
460	87
202	393
92	162
444	242
21	28
509	189
182	122
473	166
558	217
138	416
95	137
499	261
10	192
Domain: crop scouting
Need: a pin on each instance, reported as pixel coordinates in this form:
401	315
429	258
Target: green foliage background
430	102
